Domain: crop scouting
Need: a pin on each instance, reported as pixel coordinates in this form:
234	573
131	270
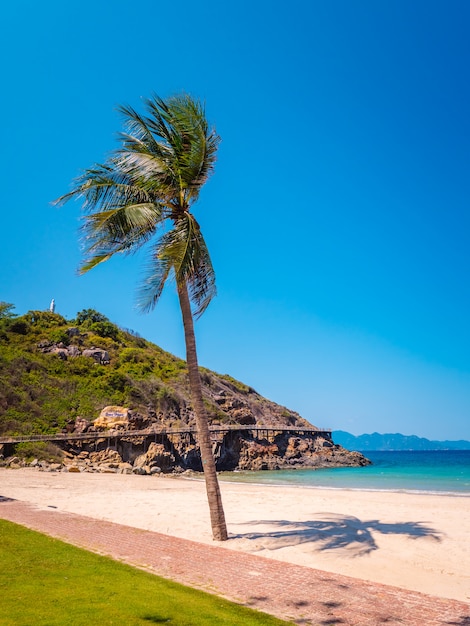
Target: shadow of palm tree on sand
332	532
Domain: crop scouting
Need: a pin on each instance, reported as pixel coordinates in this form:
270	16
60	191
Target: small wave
290	485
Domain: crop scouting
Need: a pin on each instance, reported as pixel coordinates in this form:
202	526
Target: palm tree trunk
219	528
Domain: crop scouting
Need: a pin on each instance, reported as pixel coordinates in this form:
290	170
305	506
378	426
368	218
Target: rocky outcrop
242	451
100	365
99	355
255	433
112	417
233	450
156	385
151	452
157	459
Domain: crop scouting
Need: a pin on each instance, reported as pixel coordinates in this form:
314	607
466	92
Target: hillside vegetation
53	371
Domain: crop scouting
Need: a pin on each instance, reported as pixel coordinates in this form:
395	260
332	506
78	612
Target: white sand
418	542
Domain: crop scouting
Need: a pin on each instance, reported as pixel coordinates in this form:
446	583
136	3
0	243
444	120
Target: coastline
413	492
415	541
417	472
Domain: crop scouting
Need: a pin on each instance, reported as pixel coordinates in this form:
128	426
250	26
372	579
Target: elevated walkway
217	432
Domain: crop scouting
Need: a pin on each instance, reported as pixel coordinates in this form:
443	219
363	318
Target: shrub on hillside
45	319
19	326
6	310
105	329
90	316
57	335
41	450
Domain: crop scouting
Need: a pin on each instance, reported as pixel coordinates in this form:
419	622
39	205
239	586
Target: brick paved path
298	594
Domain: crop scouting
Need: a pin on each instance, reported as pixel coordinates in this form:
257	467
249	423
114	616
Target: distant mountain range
396	441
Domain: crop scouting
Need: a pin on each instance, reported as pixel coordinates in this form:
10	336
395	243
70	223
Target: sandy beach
417	542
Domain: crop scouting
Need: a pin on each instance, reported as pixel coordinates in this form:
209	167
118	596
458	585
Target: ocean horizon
443	472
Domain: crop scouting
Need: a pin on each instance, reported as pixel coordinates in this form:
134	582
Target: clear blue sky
338	215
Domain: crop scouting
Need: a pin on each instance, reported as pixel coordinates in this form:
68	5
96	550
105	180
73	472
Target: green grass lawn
46	582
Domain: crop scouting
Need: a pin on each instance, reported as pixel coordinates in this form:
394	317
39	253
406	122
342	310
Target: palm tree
143	194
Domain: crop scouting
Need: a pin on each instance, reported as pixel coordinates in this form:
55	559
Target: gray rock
124	468
62	353
98	354
142	471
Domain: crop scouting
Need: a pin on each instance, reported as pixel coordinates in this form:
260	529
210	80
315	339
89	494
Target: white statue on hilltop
52	306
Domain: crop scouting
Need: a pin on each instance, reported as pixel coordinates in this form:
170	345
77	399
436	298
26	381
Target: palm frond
183	252
150	173
121	231
196	142
201	281
139	128
158	271
105	187
119	223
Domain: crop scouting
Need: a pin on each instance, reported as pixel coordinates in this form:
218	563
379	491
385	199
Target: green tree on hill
91	316
6	310
143	194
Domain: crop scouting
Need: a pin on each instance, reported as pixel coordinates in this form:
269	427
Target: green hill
53	371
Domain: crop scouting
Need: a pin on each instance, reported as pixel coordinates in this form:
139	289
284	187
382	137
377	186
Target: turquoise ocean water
444	472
